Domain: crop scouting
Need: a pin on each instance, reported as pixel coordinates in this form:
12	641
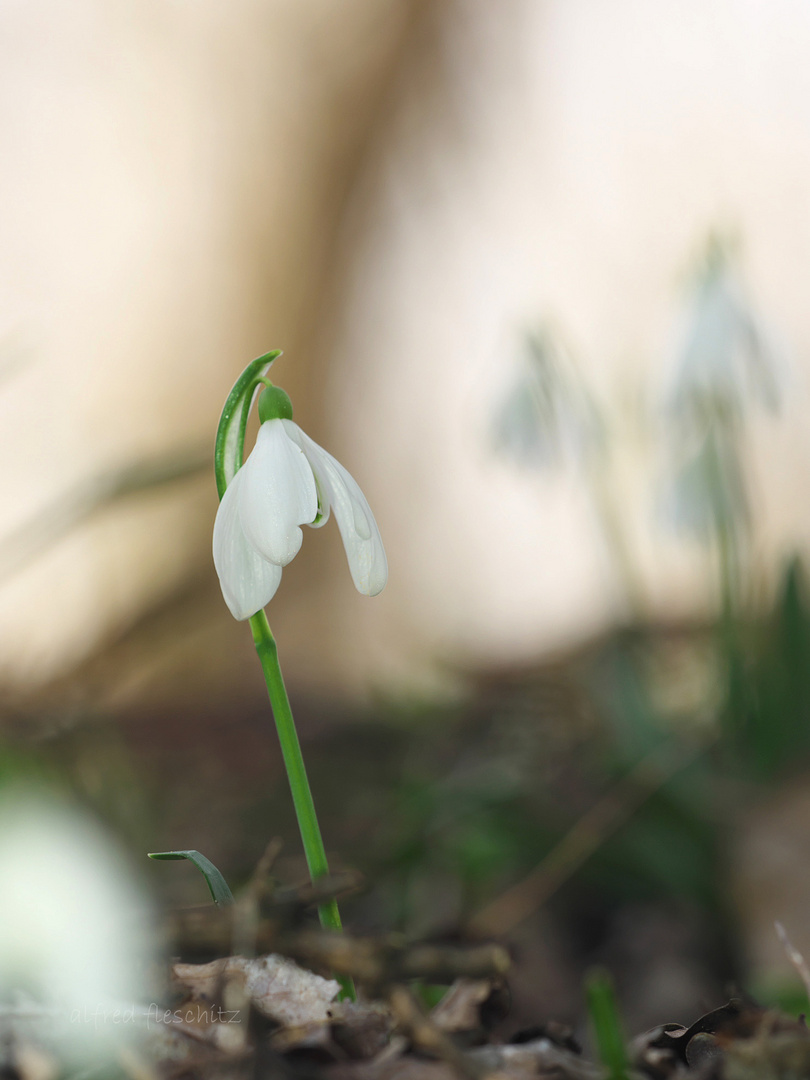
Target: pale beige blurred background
392	193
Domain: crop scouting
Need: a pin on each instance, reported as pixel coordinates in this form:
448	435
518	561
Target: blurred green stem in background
614	531
296	773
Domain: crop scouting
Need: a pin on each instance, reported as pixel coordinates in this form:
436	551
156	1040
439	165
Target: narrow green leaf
220	892
230	442
606	1024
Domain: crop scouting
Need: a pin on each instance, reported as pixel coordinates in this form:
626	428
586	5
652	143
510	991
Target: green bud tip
274	404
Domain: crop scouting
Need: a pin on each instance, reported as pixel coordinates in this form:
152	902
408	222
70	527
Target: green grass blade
220	892
606	1024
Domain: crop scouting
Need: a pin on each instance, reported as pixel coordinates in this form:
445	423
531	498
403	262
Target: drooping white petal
358	529
248	581
277	495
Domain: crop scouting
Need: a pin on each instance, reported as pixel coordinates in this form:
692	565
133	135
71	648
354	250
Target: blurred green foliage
448	806
788	995
767	710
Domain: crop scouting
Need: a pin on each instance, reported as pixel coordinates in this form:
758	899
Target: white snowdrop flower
288	481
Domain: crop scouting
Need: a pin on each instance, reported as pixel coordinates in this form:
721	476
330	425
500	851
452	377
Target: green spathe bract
229	449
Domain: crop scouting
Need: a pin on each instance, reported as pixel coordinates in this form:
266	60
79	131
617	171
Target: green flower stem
296	773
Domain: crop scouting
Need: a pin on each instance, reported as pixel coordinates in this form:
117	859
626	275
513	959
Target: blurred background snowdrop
725	365
725	370
548	418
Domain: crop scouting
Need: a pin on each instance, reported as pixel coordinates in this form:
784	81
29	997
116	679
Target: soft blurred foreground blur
76	934
540	281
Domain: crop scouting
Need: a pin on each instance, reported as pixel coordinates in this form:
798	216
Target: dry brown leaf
362	1029
460	1008
277	987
